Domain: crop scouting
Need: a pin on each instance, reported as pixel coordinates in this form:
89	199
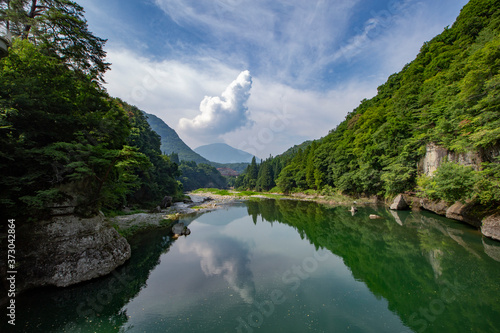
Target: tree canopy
57	27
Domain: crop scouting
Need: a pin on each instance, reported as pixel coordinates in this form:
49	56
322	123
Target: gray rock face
438	207
399	203
435	155
67	250
463	212
491	227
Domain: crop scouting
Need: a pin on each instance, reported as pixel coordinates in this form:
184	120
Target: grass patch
215	191
247	193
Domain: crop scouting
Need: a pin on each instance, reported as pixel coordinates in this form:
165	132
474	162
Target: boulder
491	226
438	207
66	250
180	229
399	203
463	212
166	202
374	217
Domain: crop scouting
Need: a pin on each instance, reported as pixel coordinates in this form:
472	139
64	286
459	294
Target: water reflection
408	269
97	304
437	275
227	257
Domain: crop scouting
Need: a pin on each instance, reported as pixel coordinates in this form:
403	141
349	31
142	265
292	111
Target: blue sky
259	75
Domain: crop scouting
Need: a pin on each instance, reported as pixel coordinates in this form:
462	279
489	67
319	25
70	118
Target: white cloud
308	67
287	40
170	89
281	115
220	115
284	116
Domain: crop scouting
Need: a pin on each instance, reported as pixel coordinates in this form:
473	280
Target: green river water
287	266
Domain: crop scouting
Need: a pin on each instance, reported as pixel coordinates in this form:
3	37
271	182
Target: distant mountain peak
224	153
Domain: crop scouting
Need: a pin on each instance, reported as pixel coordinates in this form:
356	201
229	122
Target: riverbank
486	219
205	200
335	199
129	224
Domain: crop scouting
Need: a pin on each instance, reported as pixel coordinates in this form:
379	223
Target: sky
259	75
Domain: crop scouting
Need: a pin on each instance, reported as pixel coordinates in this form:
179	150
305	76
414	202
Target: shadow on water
437	275
96	304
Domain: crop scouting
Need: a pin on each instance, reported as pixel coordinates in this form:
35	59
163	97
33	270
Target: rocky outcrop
438	207
399	203
166	202
67	249
491	226
463	212
416	203
435	155
469	213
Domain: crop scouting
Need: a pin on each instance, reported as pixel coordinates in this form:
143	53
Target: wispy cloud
220	115
311	61
282	39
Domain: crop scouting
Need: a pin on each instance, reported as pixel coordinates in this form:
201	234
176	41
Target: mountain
171	142
223	153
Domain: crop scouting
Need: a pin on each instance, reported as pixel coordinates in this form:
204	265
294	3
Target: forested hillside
449	95
171	143
65	140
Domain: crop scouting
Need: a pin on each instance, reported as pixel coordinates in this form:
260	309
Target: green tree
265	179
451	182
58	127
58	27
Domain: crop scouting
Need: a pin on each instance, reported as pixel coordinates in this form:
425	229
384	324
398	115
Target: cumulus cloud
220	115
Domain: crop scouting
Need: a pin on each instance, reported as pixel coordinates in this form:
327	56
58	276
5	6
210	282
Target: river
287	266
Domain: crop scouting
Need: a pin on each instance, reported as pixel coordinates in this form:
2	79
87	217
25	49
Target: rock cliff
465	212
66	250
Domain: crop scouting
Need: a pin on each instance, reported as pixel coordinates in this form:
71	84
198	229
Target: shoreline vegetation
209	199
128	223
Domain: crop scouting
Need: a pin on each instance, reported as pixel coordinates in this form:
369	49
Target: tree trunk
31	16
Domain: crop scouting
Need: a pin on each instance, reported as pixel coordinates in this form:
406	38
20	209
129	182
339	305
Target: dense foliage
62	136
160	178
194	176
449	95
58	27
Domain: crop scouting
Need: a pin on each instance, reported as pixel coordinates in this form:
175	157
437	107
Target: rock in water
178	228
399	203
463	212
491	227
374	217
66	250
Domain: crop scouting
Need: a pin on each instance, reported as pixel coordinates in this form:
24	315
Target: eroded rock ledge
465	212
67	249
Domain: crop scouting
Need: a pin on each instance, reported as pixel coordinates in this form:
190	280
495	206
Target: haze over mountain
224	153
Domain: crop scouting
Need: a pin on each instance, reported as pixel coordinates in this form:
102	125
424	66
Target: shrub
451	182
